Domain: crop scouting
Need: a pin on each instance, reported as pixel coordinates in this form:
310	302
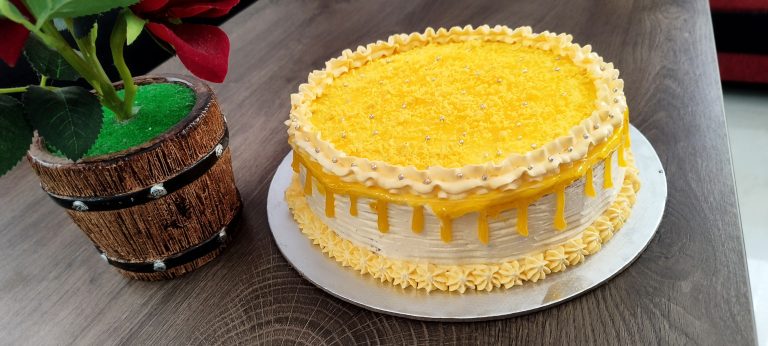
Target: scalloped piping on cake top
536	164
460	278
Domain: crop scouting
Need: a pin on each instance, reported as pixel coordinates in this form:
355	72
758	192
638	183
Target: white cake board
616	255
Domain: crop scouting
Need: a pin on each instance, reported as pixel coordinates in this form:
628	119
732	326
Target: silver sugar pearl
437	58
343	135
158	266
459	175
317	150
586	136
557	69
602	68
596	126
484	177
404	105
525	70
530	168
157	191
570	149
533	146
104	257
427	138
400	176
375	132
219	150
223	234
498	152
498	80
483	106
297	126
79	206
519	137
373	166
371	116
334	160
461	142
611	115
519	124
464	133
427	181
615	100
551	159
442	118
353	164
615	90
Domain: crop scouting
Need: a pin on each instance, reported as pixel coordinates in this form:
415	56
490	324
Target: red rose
14	36
203	49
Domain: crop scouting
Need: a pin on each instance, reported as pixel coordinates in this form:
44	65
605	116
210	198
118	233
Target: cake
462	159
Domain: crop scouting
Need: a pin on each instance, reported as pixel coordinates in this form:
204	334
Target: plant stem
43	80
13	90
110	99
116	43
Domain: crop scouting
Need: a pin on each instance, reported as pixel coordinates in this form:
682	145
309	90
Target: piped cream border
460	278
607	117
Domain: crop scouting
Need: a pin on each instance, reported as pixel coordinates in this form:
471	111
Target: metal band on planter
216	241
187	176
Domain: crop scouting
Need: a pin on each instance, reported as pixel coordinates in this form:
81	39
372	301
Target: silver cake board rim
367	292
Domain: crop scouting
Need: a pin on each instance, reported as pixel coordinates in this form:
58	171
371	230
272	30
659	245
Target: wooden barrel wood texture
168	225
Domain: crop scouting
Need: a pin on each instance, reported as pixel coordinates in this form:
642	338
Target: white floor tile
747	116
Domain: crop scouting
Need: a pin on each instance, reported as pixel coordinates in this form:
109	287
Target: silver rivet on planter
158	266
104	257
157	191
219	150
79	206
223	234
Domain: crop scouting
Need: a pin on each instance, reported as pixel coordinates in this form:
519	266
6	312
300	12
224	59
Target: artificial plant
58	38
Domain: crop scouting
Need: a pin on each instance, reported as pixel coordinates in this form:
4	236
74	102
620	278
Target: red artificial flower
203	49
14	36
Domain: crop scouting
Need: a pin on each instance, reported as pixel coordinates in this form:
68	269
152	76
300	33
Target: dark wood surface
690	285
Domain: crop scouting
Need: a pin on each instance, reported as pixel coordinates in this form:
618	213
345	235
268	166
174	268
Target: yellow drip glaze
295	162
589	186
560	223
446	233
620	154
494	201
353	205
330	204
627	141
308	184
383	211
522	219
608	177
417	222
482	227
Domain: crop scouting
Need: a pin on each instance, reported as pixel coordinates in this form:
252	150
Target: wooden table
690	285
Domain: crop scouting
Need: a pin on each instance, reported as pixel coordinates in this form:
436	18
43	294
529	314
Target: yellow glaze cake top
454	104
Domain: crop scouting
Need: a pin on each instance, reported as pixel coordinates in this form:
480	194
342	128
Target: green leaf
15	133
68	118
44	10
48	62
134	26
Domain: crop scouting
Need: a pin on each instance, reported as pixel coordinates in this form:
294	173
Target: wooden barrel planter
158	210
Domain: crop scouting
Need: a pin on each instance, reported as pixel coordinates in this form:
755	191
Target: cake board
367	292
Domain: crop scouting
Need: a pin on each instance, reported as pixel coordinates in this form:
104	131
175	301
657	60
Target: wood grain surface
690	285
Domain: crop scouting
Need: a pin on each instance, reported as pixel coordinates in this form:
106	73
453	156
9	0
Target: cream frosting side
460	278
533	165
400	242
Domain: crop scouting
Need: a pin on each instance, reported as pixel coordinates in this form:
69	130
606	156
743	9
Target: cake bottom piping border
460	278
